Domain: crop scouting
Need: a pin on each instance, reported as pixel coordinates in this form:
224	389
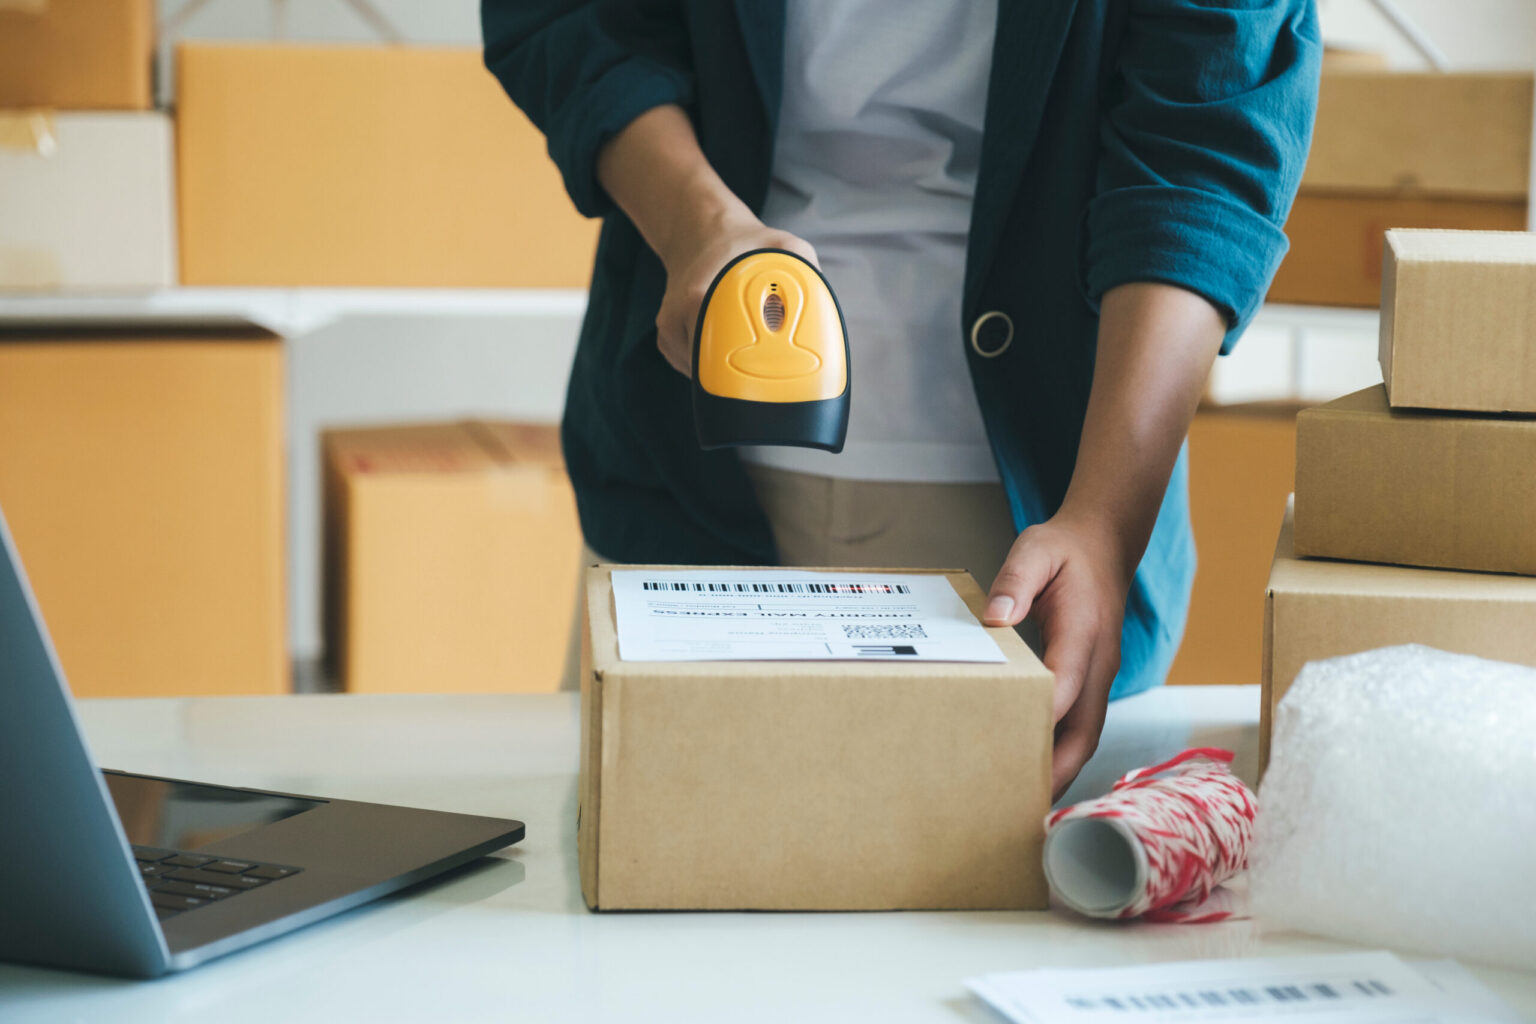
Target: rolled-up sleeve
1202	148
581	82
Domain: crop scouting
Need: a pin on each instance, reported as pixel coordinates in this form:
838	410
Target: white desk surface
511	940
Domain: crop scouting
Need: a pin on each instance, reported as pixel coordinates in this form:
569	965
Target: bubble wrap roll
1399	808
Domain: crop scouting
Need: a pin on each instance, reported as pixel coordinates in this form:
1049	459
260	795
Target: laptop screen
188	816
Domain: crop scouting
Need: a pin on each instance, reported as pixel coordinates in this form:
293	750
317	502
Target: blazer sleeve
581	72
1202	147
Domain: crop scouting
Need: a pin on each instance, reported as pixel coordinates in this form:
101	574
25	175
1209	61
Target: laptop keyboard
179	882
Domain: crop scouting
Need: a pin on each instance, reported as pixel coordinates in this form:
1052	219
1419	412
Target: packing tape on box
1157	845
28	131
25	6
1399	807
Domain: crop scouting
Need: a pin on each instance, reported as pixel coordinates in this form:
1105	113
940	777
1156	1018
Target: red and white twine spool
1157	844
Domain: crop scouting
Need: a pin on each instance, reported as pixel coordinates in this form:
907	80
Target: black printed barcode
1319	991
747	587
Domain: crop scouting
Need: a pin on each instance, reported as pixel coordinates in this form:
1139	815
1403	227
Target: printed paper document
1346	988
794	615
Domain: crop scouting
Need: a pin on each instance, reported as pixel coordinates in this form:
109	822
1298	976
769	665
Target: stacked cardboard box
77	54
451	553
86	193
379	166
383	166
1402	150
140	463
1242	467
141	471
1434	468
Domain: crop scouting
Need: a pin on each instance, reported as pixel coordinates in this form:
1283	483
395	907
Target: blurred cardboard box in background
1431	132
1347	58
1458	320
1241	469
1336	241
144	482
811	785
1318	608
1413	487
87	201
366	166
451	558
77	54
1402	149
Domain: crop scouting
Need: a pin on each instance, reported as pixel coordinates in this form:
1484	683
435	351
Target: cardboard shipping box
1242	463
811	785
77	54
452	556
1431	132
1458	320
86	201
1344	58
366	166
1322	609
1336	240
142	473
1395	149
1377	484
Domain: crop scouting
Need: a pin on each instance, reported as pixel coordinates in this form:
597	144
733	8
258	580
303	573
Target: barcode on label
907	631
747	587
1320	991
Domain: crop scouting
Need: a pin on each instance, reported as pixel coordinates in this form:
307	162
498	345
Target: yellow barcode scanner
770	356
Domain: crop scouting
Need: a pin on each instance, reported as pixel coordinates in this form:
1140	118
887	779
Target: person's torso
875	164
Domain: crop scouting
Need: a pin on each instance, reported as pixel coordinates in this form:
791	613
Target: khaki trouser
819	520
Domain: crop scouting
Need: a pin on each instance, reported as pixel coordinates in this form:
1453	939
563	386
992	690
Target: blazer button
991	334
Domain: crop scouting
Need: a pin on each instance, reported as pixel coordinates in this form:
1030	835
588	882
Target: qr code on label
884	631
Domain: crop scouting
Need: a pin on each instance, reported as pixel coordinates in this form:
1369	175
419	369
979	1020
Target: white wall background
1474	34
421	21
389	369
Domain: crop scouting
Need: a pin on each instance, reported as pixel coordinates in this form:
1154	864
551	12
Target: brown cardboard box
86	201
811	785
451	558
142	473
1458	320
1338	58
368	166
1322	609
1402	150
1376	484
1336	240
1428	133
1241	468
77	54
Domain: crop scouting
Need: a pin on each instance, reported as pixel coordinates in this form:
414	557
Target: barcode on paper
905	631
748	587
1293	994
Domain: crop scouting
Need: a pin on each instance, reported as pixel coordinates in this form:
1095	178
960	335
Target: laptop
137	876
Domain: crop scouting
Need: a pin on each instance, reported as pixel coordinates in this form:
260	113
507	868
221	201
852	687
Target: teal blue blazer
1126	140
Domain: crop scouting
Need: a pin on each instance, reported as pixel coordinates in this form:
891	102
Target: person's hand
657	174
692	259
1070	578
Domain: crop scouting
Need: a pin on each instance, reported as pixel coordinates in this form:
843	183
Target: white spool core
1095	865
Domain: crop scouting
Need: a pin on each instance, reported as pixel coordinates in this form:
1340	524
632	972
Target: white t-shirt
875	165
